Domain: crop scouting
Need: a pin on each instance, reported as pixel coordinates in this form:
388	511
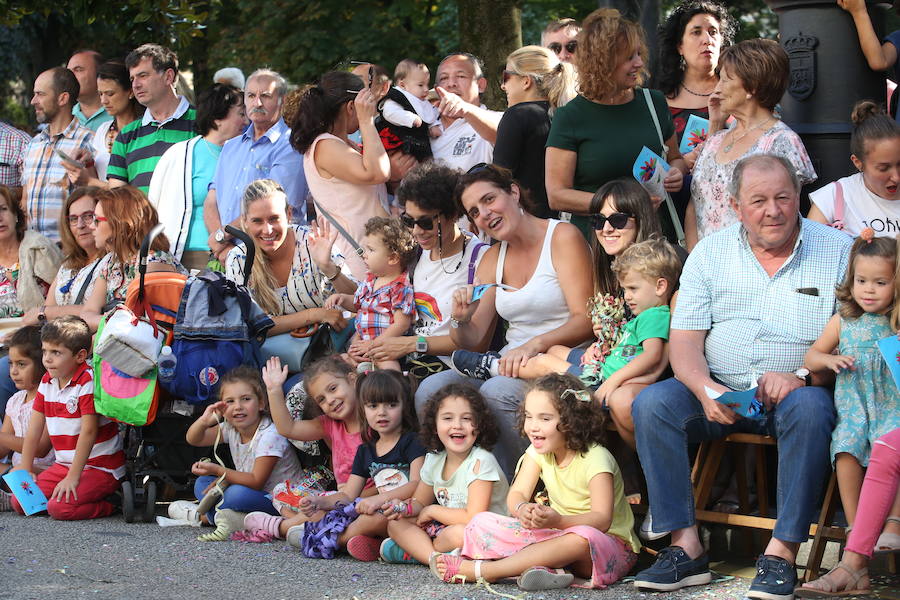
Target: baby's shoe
227	522
183	510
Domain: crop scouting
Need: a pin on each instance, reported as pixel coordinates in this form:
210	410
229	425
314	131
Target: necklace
690	91
441	253
734	140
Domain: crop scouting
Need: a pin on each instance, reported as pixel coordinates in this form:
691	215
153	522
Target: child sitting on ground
26	371
384	302
648	272
460	478
406	118
88	448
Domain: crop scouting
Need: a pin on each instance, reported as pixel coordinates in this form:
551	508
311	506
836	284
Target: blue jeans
503	396
237	497
668	417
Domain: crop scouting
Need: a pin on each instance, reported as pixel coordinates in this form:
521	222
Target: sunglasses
556	47
84	218
425	223
618	220
482	166
505	75
98	220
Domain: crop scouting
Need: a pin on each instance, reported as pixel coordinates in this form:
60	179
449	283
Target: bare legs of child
850	479
419	544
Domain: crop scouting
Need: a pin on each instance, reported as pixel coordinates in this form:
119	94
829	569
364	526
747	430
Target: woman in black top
536	83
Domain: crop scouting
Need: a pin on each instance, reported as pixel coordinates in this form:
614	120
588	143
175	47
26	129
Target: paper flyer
26	491
695	133
650	170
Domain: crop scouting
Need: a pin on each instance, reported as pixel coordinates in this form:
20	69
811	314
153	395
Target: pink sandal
451	568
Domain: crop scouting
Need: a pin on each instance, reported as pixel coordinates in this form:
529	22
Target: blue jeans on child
237	497
668	417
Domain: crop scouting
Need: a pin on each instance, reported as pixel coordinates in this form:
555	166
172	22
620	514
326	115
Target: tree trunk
491	29
645	12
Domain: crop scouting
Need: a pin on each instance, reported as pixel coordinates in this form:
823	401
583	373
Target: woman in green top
596	137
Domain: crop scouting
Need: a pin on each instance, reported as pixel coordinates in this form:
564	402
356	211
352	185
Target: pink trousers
878	492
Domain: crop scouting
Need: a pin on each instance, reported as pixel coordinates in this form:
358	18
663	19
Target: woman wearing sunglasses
122	219
448	260
539	278
536	84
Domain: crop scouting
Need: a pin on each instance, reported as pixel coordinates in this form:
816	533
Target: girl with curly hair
460	478
587	527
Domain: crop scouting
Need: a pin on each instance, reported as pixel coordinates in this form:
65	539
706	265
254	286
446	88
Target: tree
491	30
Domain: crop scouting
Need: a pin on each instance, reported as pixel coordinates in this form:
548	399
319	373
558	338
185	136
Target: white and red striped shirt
63	409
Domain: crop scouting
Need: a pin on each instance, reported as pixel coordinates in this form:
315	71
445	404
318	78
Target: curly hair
669	75
430	186
484	421
380	387
130	217
250	376
396	237
654	259
605	38
882	247
581	422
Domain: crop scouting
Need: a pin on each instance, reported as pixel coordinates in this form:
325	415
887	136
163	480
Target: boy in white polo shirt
89	456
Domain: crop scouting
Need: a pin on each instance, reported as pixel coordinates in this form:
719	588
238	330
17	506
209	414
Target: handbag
130	341
673	214
123	398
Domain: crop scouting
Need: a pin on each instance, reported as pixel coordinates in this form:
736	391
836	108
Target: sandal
451	568
829	587
888	542
544	578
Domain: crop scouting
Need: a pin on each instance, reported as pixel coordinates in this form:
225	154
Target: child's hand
309	505
417	122
65	489
274	374
369	506
435	131
544	517
839	362
425	516
605	390
333	301
202	467
213	413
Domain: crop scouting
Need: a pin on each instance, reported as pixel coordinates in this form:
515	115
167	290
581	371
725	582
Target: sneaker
262	521
294	536
183	510
674	570
646	532
227	522
5	501
542	578
475	364
775	579
363	548
390	552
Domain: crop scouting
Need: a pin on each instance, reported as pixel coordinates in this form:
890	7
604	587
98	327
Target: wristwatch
219	236
422	345
42	315
803	373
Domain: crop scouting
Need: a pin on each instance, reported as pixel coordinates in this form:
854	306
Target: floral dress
709	186
118	275
866	398
9	299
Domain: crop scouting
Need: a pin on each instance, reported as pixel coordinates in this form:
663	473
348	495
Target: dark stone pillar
829	74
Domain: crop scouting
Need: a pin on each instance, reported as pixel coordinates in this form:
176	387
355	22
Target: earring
681	62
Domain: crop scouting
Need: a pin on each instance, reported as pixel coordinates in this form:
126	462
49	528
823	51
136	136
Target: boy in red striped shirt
89	456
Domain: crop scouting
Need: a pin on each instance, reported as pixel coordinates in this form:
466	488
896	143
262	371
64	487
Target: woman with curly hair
122	219
597	136
587	528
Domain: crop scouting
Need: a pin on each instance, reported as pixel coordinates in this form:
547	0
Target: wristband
337	274
519	505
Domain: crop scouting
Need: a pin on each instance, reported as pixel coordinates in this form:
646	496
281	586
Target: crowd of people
498	286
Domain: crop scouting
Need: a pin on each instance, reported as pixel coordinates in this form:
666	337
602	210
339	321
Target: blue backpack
218	327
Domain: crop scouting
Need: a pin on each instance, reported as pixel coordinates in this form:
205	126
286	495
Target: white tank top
537	307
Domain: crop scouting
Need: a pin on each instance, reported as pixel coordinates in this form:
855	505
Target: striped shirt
45	182
12	154
63	409
141	144
756	323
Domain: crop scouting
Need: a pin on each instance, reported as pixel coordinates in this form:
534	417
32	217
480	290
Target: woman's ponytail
319	107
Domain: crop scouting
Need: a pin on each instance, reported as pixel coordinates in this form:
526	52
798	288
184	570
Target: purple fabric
320	537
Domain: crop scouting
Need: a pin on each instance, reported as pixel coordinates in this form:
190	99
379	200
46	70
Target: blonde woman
295	270
536	83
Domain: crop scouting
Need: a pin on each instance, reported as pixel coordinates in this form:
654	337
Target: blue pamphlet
26	491
695	133
890	350
743	403
650	170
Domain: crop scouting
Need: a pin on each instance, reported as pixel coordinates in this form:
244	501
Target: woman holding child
543	301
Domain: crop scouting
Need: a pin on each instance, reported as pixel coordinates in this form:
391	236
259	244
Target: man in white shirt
469	128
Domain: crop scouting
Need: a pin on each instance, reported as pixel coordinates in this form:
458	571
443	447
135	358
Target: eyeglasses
426	223
556	47
618	220
85	218
98	220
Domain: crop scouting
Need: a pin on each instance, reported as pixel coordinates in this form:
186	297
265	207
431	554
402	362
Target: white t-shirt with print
460	146
453	492
266	442
862	208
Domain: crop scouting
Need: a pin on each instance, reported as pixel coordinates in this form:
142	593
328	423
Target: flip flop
829	589
544	578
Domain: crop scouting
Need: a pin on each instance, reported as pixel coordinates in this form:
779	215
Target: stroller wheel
150	499
128	501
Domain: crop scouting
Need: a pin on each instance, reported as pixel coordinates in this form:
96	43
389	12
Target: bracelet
408	508
336	274
519	505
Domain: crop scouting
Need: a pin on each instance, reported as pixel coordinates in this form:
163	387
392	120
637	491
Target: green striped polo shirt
141	143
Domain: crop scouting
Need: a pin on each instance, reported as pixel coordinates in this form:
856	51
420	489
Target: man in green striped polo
169	118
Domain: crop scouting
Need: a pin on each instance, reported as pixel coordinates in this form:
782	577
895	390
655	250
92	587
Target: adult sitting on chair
753	298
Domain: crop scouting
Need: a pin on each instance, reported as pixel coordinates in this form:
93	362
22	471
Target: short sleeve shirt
265	442
388	471
376	307
453	492
19	413
862	208
343	446
119	275
651	323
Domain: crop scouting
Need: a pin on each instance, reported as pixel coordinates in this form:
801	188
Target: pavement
109	559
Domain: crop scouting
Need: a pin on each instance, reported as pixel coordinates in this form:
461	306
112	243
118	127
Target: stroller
156	452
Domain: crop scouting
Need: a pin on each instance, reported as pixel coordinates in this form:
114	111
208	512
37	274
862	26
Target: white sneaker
184	510
646	532
294	536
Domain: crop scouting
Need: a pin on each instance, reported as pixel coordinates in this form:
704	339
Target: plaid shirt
12	154
44	178
756	323
375	308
